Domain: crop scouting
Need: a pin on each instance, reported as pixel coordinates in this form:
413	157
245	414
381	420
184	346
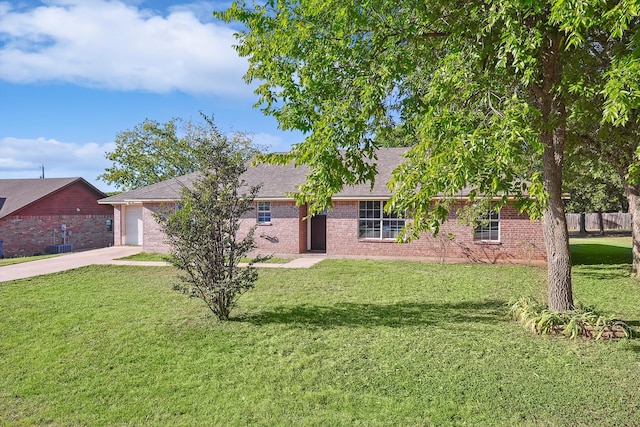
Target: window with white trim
488	228
264	212
375	223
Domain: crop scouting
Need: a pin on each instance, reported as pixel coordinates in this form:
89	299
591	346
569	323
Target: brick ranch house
356	226
40	215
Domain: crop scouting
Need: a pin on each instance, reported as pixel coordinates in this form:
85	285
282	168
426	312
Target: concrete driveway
65	262
107	256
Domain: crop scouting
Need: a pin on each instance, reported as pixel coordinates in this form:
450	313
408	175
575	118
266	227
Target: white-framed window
264	212
488	228
375	223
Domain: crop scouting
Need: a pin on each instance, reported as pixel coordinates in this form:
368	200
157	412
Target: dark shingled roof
168	190
16	194
276	181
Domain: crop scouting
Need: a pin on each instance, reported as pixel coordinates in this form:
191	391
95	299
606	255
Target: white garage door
133	225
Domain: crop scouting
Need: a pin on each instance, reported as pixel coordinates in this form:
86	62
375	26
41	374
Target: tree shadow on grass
598	254
603	272
390	315
635	328
635	347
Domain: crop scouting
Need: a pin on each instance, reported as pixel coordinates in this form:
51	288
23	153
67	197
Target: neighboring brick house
38	213
356	226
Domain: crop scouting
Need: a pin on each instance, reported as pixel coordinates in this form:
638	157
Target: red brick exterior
520	238
31	235
118	218
29	230
286	234
154	239
302	230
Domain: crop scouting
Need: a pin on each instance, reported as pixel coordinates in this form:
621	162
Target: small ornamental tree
204	230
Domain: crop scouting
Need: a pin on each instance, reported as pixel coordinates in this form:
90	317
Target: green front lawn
344	343
21	259
146	256
600	250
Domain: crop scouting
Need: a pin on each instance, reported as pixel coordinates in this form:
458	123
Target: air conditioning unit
60	249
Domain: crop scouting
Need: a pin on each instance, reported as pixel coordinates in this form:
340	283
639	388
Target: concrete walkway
302	262
108	256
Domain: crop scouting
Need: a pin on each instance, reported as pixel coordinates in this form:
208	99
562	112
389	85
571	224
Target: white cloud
22	158
203	10
109	44
273	143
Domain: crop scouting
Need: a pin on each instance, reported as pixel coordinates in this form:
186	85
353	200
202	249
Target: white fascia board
139	201
274	199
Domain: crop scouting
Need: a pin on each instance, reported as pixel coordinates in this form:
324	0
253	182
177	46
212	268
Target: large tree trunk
553	135
556	235
633	197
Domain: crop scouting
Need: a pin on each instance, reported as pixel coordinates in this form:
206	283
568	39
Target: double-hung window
375	223
264	212
488	228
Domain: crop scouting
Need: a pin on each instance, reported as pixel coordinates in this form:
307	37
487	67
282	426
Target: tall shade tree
481	89
152	152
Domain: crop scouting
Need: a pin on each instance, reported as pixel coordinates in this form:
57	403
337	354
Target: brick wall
286	234
154	238
302	229
75	199
520	239
30	235
118	237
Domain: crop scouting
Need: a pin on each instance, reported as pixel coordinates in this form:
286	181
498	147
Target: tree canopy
481	90
152	152
593	186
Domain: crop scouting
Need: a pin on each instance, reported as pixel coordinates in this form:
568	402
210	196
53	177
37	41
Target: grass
145	256
154	256
19	260
344	343
600	250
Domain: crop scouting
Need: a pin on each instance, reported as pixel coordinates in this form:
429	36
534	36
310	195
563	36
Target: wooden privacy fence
610	221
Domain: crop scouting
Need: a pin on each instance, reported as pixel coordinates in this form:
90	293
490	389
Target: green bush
582	321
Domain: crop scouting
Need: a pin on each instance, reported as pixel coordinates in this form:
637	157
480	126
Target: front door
319	232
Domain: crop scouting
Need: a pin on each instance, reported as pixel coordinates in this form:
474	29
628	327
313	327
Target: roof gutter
289	199
136	201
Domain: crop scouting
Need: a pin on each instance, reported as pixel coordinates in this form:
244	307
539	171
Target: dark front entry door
319	233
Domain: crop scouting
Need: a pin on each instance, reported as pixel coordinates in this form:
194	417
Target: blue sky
74	73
